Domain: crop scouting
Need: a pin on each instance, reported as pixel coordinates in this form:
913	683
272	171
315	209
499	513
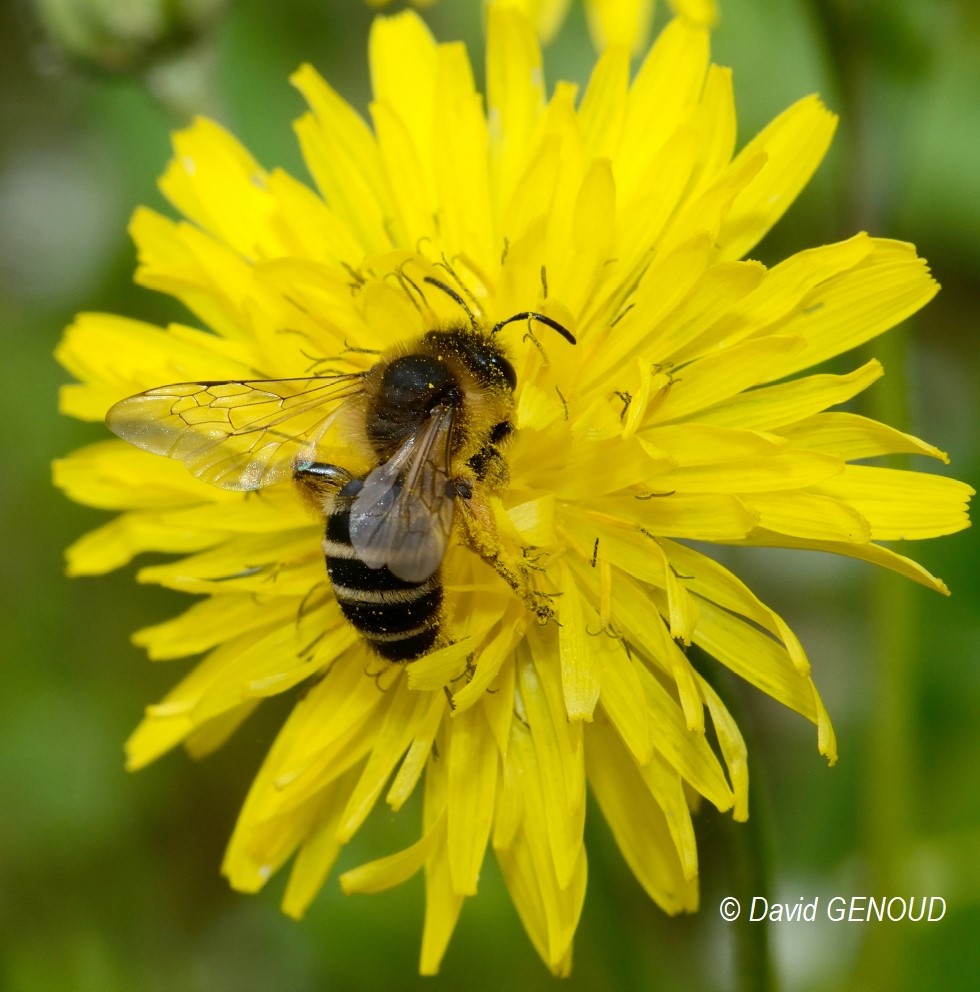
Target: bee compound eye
503	369
501	431
490	366
493	367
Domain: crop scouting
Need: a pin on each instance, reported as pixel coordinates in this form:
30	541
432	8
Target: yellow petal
902	505
733	749
852	436
603	105
343	158
557	746
873	553
667	86
263	844
794	145
511	806
648	197
581	661
440	667
624	703
764	663
116	543
472	783
287	563
685	749
706	578
262	840
707	210
759	473
714	121
214	181
694	444
102	475
547	16
402	721
697	517
787	283
772	407
403	57
259	662
638	823
143	356
699	11
725	373
515	98
307	226
207	623
847	310
719	291
804	515
667	281
318	852
442	907
206	276
490	660
583	470
645	560
385	873
498	705
623	23
587	252
418	752
665	650
322	751
548	909
212	734
414	200
466	223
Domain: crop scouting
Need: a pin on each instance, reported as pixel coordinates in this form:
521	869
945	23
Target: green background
111	881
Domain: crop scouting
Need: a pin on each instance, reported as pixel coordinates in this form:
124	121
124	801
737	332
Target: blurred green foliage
110	881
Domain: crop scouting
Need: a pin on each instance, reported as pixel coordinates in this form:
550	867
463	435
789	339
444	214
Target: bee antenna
541	319
453	295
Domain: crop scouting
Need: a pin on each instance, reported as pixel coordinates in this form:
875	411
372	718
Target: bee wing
235	435
403	514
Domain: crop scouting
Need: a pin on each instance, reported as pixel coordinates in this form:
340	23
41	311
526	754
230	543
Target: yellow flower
622	217
612	22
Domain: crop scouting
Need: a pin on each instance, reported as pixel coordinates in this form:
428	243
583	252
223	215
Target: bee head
481	357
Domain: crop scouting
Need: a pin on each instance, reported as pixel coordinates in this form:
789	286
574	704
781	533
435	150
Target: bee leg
480	536
320	482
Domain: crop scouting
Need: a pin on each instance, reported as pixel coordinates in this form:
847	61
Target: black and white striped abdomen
399	619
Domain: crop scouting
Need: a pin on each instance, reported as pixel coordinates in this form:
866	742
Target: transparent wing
403	514
235	435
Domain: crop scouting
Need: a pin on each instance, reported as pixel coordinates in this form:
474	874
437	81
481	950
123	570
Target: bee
435	415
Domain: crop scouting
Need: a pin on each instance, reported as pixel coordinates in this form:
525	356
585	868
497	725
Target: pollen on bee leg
481	536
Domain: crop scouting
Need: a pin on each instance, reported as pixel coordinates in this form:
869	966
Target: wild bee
436	416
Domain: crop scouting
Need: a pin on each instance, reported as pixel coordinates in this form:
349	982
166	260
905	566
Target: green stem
889	787
749	845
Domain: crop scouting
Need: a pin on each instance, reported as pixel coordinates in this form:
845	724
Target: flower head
676	416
